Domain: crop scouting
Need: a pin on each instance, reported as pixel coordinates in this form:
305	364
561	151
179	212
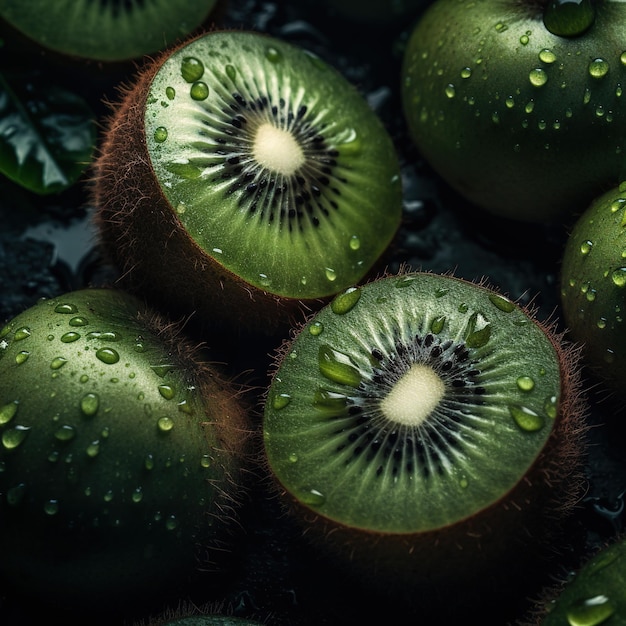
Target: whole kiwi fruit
121	450
593	286
427	432
106	30
517	104
240	176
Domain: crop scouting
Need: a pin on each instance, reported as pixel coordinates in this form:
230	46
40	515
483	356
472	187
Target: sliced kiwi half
241	168
106	30
427	422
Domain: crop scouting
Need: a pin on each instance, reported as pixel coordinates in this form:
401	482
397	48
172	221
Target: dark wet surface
47	248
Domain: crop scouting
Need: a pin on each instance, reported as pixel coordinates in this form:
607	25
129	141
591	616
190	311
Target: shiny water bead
568	18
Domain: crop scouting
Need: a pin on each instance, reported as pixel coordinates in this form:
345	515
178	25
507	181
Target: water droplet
273	55
264	280
316	329
617	204
22	357
404	281
478	331
108	355
346	301
293	458
585	247
167	391
437	325
199	91
618	277
148	462
500	302
509	102
205	461
526	419
530	106
311	497
171	523
79	321
93	449
15	495
8	412
191	69
590	611
538	77
568	18
66	309
13	437
337	367
331	275
108	496
355	242
464	482
450	90
525	383
550	406
330	402
137	495
598	68
281	400
165	424
547	56
65	433
70	337
170	92
160	134
524	40
162	370
89	404
440	292
51	507
22	333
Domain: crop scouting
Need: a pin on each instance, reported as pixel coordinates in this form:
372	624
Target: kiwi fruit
594	595
427	432
122	453
593	286
106	30
241	176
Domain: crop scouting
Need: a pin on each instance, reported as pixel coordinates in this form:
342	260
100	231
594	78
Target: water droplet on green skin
526	419
550	406
8	412
22	357
70	337
590	611
525	383
273	55
165	424
160	134
89	404
585	247
547	56
346	301
438	324
199	91
329	402
149	462
93	449
355	243
501	303
79	321
568	18
191	69
66	309
538	77
478	331
108	355
311	497
21	334
51	507
65	433
316	329
336	367
137	495
13	437
618	276
167	391
331	274
280	401
450	90
598	68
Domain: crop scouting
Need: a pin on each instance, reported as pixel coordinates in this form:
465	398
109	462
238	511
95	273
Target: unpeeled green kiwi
241	175
106	30
121	453
427	433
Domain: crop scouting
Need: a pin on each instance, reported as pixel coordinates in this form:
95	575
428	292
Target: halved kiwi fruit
106	30
121	453
241	175
427	431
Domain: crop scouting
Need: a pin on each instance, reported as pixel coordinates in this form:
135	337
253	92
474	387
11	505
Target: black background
47	248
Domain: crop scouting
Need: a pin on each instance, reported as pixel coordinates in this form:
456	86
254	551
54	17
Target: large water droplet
8	411
346	301
191	69
167	391
70	337
22	333
108	355
165	424
281	400
316	329
538	77
13	437
66	309
311	497
526	419
65	433
199	91
337	367
160	134
598	68
590	611
89	404
568	18
618	277
22	357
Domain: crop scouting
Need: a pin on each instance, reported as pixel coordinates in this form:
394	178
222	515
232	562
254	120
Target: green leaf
47	134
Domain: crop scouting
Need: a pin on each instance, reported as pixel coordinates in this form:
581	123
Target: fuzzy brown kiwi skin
127	230
436	572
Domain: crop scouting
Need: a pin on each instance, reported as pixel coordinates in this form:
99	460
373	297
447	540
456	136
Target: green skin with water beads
519	106
242	175
425	424
593	285
120	451
595	596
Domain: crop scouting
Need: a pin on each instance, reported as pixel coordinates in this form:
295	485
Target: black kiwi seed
426	431
242	175
106	30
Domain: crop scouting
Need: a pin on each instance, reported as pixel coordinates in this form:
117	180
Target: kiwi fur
142	235
495	546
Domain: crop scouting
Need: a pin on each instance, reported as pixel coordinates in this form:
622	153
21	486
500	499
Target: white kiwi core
277	149
414	396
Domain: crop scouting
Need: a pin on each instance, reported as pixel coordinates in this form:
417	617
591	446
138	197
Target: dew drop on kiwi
8	412
89	404
15	436
591	611
569	18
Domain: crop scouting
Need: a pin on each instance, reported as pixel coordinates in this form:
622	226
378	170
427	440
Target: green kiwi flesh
120	451
268	169
593	285
421	406
114	30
